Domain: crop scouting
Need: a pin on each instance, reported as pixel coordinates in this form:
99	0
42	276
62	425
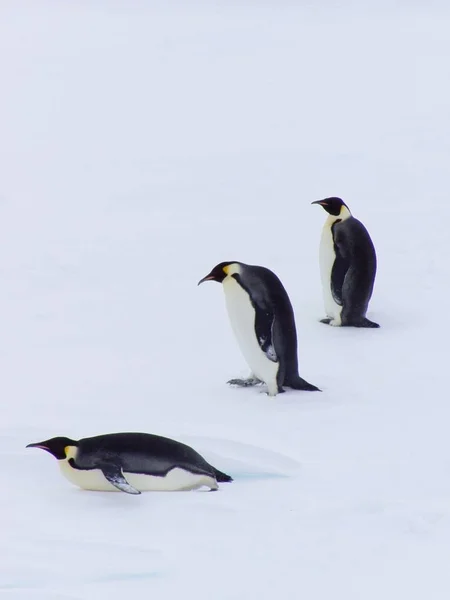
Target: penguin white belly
327	257
176	480
242	318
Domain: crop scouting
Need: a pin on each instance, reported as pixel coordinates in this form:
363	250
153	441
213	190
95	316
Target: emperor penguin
132	463
348	266
263	322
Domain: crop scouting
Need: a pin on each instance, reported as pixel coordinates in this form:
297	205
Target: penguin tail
363	322
221	477
300	384
369	324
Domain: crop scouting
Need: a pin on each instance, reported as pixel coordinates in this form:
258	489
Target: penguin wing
264	316
341	262
340	267
264	321
114	474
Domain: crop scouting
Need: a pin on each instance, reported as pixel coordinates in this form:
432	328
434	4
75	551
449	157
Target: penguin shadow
245	462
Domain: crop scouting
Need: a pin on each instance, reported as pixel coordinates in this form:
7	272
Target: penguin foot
251	381
272	393
335	323
332	322
325	321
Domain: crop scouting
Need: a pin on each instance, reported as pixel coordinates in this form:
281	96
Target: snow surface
142	143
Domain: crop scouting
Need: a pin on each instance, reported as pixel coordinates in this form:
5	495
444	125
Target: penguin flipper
264	321
264	317
114	474
340	267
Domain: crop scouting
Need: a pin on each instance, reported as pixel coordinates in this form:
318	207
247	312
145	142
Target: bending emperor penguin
262	320
348	265
132	463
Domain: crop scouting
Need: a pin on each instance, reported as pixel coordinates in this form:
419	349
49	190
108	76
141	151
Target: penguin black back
141	453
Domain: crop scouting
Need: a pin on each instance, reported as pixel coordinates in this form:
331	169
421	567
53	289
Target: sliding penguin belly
176	479
329	268
257	351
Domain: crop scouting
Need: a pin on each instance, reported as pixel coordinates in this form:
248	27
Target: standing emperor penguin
132	463
348	265
262	320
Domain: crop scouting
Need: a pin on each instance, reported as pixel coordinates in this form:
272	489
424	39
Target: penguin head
334	206
221	271
60	447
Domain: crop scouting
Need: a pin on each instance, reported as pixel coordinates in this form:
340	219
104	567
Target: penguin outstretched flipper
114	474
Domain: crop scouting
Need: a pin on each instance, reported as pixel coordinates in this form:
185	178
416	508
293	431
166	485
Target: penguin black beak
207	278
38	445
321	202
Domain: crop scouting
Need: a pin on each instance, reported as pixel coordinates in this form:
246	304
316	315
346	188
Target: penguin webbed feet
272	393
331	322
249	382
326	321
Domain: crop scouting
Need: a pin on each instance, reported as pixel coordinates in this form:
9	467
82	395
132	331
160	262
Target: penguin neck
71	452
65	466
232	269
342	216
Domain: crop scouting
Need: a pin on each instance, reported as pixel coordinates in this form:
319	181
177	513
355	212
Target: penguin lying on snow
263	322
131	463
348	265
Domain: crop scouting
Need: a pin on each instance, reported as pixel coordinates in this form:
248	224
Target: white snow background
142	143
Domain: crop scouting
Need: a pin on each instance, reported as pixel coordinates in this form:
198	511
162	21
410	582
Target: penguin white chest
176	479
242	318
327	256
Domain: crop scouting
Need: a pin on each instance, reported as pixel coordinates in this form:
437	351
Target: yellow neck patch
232	269
71	452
